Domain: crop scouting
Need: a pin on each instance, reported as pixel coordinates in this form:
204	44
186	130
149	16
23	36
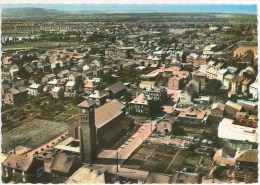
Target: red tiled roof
18	162
107	112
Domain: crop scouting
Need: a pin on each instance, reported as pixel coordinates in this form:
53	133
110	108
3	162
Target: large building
99	128
228	130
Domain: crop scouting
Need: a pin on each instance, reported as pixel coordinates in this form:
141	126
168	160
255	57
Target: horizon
240	9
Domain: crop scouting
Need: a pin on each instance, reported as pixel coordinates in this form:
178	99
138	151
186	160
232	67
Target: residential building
193	115
245	85
16	95
246	167
48	78
212	73
253	90
236	84
22	169
35	89
71	86
57	92
164	127
228	80
221	74
249	106
139	105
232	107
157	94
63	166
116	90
147	85
217	110
86	175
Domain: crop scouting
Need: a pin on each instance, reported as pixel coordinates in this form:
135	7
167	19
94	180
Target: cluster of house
61	73
186	64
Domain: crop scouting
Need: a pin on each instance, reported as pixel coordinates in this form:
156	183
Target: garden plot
32	134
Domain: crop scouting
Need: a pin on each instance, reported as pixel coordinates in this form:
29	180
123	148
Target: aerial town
166	98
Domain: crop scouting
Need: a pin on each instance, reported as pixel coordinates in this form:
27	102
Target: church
96	129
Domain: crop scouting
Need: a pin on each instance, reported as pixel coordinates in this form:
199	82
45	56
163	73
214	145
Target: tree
23	73
213	87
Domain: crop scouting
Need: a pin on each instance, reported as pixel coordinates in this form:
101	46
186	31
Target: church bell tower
87	132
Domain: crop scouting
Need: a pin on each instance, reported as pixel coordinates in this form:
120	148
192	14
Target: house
193	115
187	95
89	86
147	85
139	105
22	169
245	85
86	175
196	85
75	77
253	90
249	106
200	77
164	127
232	107
51	84
176	83
63	74
98	72
246	166
48	78
241	115
157	94
211	73
16	95
221	74
203	100
217	110
71	86
98	97
57	92
203	69
227	129
236	84
228	80
63	166
35	89
116	90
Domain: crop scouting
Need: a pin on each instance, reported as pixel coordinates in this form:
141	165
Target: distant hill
40	12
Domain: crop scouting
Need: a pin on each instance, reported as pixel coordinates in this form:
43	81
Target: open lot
32	134
156	158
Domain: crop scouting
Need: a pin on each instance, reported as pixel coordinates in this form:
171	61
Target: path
171	161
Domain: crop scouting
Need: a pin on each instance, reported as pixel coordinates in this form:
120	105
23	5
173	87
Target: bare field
32	134
42	44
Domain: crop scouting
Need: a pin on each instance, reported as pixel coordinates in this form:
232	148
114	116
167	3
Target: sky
248	9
